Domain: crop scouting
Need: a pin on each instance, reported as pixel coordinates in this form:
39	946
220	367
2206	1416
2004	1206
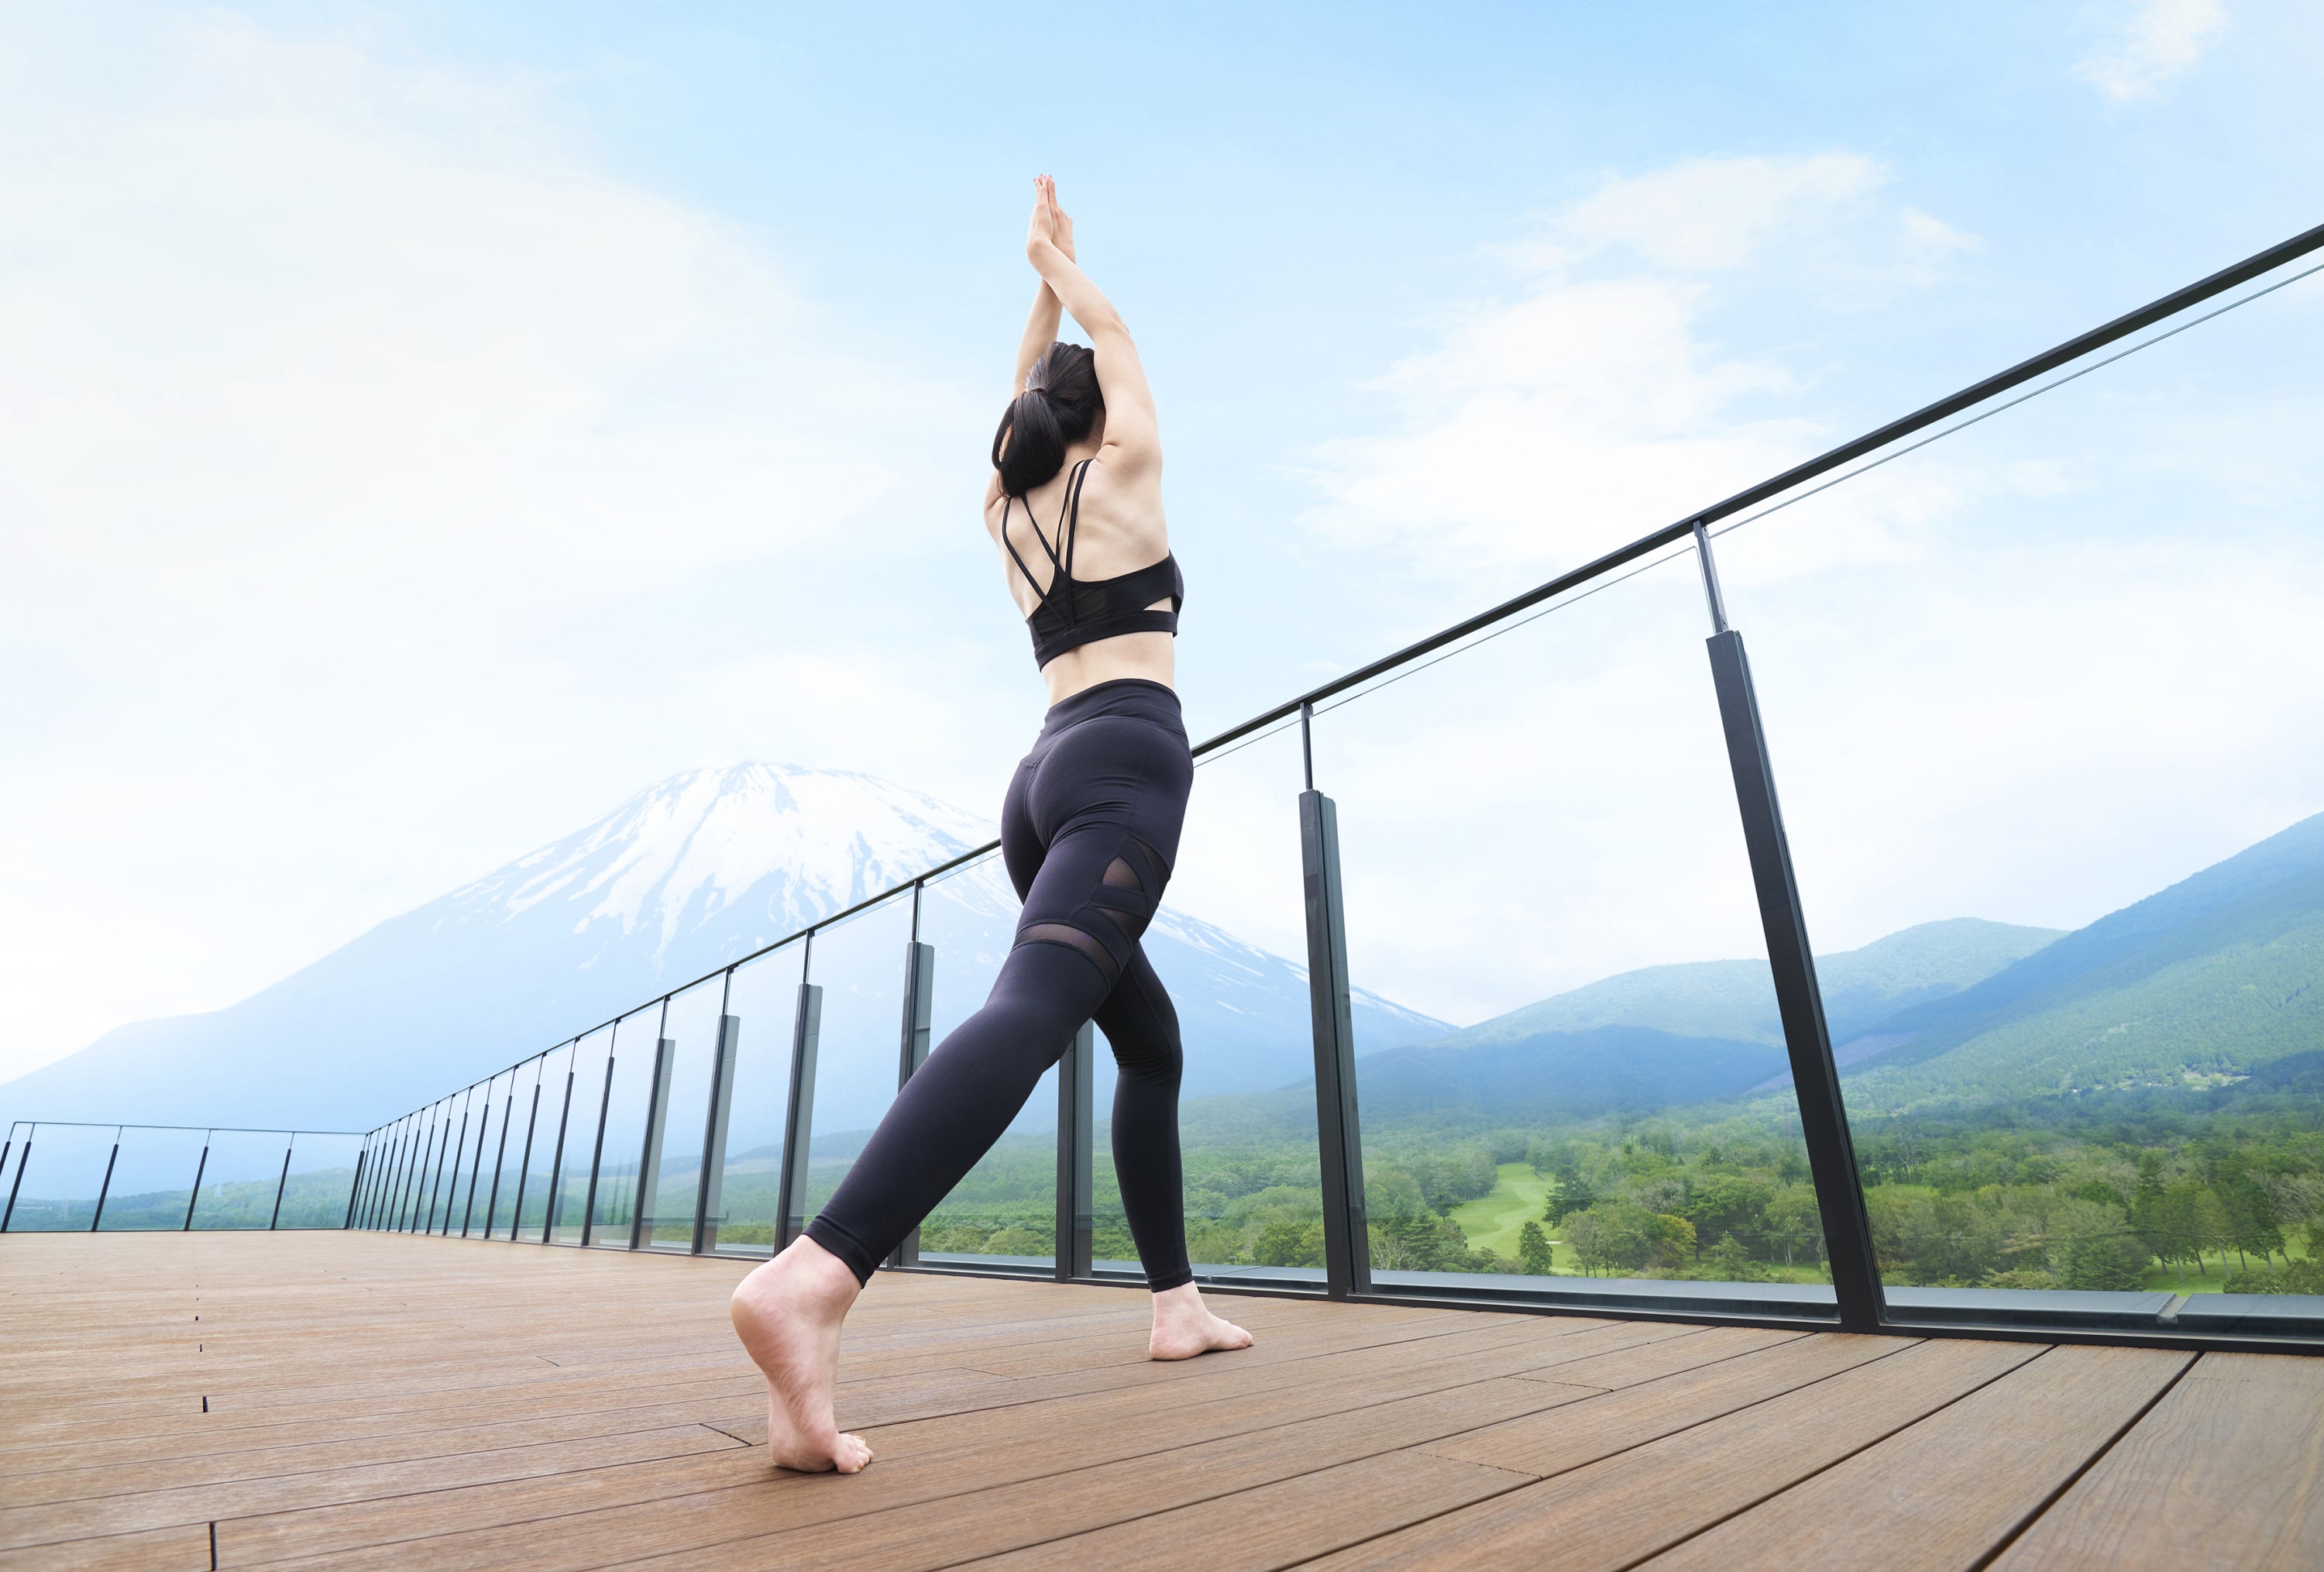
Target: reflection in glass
1544	871
544	1163
860	965
152	1181
242	1179
461	1148
593	1061
319	1182
764	997
2047	704
63	1174
495	1155
637	1058
1003	1212
673	1181
525	1093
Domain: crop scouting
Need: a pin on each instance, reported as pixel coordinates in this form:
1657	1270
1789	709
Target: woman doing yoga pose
1089	831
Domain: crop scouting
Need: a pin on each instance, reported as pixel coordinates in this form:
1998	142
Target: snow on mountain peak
804	842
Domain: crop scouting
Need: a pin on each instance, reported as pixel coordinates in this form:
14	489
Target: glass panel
12	1149
667	1202
1229	944
64	1169
418	1138
591	1059
1004	1212
636	1045
860	964
2047	704
242	1179
467	1124
544	1171
764	997
1546	890
525	1090
427	1201
383	1205
321	1177
152	1178
492	1155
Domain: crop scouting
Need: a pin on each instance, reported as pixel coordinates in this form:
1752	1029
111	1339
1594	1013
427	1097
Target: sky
422	427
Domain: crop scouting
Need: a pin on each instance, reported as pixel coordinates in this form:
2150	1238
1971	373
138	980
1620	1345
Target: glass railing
1494	962
72	1178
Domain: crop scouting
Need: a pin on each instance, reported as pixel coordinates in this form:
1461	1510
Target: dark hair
1060	405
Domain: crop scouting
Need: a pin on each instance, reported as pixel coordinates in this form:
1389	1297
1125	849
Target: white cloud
2156	44
1594	405
360	447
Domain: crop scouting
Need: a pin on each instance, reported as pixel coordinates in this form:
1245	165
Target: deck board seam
2017	1531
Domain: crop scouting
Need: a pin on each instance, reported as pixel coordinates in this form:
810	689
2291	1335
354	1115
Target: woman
1089	831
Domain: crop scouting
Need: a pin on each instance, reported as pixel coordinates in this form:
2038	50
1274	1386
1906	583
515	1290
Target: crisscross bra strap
1069	526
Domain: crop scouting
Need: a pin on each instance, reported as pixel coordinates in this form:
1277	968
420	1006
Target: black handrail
1976	392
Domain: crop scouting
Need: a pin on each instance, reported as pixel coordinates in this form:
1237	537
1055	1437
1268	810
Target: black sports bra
1076	612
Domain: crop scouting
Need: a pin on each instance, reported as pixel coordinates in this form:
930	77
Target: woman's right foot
1183	1327
787	1314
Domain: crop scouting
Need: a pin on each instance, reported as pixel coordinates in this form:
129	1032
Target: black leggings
1089	831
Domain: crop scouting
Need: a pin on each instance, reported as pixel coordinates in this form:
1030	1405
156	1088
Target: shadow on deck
366	1399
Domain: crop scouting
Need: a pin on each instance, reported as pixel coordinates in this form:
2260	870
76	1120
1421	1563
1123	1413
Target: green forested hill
1734	1000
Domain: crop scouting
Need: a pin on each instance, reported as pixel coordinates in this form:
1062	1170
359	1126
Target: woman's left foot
1183	1327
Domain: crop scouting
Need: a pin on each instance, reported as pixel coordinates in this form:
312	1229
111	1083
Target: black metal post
524	1162
710	1194
105	1186
24	1161
453	1152
281	1183
798	1115
1823	1120
648	1185
355	1186
476	1168
556	1157
435	1181
1076	1253
912	1039
193	1198
392	1181
499	1159
1339	1132
596	1147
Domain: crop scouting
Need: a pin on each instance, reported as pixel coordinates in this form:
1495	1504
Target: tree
1794	1223
1534	1254
1611	1236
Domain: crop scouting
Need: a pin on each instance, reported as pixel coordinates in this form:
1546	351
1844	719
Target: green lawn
1491	1222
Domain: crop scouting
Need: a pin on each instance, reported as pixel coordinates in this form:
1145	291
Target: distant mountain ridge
685	878
2215	981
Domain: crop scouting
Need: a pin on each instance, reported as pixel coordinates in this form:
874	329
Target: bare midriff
1152	657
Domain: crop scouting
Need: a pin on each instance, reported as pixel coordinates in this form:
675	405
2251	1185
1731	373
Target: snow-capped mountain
694	873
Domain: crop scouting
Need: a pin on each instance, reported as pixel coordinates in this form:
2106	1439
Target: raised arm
1132	437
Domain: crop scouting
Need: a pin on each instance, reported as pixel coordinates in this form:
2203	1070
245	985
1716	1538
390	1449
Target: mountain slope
683	878
1735	1000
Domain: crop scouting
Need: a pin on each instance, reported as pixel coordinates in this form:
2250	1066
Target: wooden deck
388	1401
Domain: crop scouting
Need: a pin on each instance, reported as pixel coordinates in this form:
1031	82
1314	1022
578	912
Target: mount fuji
688	875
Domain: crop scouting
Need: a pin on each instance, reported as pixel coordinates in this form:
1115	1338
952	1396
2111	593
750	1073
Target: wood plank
1616	1511
1942	1494
933	1460
2226	1470
1551	1444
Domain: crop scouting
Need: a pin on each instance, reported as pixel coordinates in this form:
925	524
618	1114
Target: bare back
1119	530
1119	527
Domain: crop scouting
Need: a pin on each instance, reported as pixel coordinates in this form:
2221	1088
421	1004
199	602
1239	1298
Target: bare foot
1183	1327
787	1314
